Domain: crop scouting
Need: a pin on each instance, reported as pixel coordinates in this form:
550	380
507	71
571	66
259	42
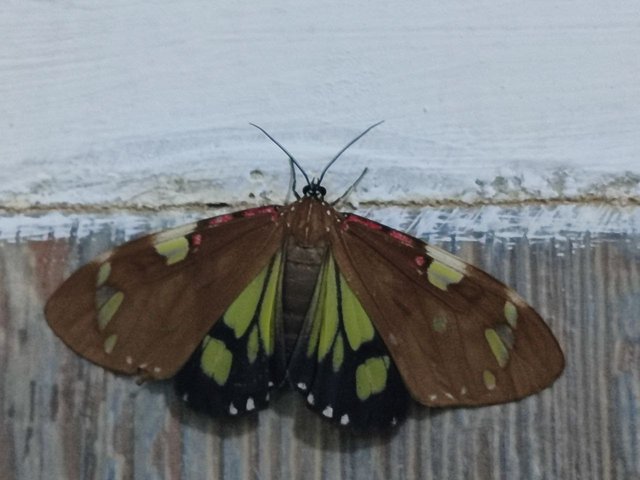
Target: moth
356	316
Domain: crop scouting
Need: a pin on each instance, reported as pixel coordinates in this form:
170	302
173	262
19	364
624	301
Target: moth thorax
310	221
301	272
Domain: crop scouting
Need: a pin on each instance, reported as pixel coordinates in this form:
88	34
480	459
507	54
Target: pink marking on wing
196	239
260	211
420	261
363	221
221	219
402	237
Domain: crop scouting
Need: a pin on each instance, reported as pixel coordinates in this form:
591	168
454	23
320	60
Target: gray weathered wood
62	417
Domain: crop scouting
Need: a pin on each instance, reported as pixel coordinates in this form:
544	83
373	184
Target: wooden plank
62	417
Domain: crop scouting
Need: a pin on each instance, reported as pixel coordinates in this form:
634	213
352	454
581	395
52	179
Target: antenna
291	158
343	150
350	189
292	183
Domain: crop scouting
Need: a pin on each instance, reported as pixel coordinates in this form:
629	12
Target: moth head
314	190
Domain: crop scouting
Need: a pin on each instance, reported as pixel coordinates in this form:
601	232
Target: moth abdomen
301	269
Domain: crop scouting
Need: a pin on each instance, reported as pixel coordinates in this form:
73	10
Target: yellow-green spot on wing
269	308
338	353
498	348
174	250
439	323
489	380
110	343
103	274
327	314
109	309
371	377
253	345
216	360
357	324
240	313
511	314
441	276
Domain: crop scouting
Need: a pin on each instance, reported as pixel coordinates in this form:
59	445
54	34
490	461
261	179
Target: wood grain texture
62	417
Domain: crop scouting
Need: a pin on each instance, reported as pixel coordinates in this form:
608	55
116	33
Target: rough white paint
148	103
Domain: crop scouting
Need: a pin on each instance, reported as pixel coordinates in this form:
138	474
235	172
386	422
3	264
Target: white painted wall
129	102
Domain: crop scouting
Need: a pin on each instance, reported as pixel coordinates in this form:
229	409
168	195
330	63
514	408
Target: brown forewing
167	309
443	365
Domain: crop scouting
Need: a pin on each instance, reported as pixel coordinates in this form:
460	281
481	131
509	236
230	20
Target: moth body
308	224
